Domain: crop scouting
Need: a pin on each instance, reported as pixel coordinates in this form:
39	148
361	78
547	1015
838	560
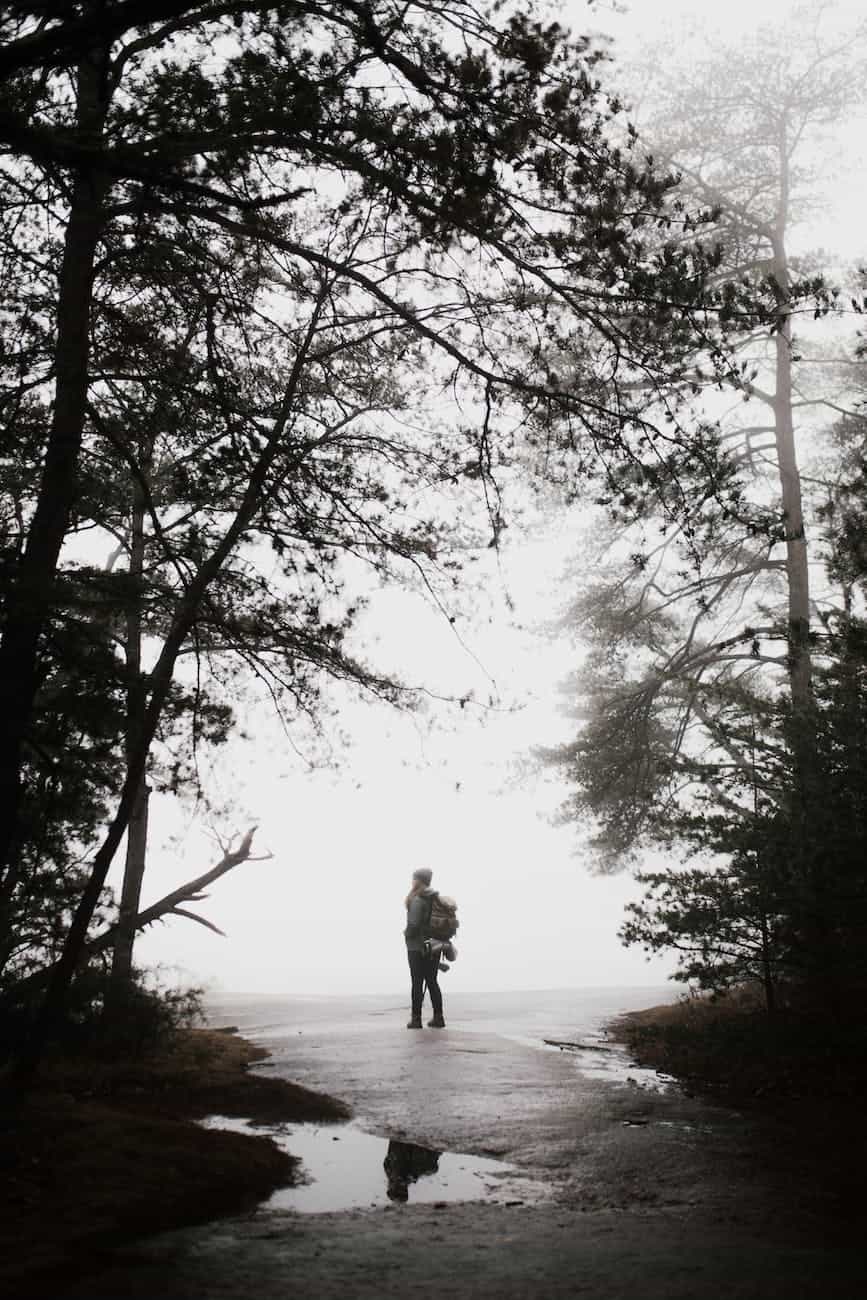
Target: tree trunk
136	702
768	969
159	683
31	591
133	875
817	919
797	568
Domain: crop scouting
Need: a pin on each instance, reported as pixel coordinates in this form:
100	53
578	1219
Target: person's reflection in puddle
405	1163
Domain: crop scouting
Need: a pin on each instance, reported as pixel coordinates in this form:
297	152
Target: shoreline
654	1192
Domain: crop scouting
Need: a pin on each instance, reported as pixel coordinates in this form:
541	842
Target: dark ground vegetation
107	1150
729	1046
801	1076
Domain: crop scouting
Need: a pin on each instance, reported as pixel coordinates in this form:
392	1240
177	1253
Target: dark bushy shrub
104	1020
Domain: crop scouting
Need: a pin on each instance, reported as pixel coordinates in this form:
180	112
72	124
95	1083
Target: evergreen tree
268	236
695	624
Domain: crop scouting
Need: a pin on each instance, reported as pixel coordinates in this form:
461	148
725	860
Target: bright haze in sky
452	791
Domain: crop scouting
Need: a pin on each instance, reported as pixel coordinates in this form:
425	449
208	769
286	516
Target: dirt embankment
102	1152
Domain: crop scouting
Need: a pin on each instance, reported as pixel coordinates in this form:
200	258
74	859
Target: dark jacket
418	919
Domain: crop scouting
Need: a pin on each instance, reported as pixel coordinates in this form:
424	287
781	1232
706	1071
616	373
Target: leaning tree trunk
133	875
31	594
136	703
159	685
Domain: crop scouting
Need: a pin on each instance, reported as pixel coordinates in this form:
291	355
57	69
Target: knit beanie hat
424	874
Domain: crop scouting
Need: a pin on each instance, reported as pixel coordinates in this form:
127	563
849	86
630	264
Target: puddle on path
602	1059
623	1071
349	1169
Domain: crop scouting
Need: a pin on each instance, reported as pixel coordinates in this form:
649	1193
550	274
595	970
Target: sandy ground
650	1194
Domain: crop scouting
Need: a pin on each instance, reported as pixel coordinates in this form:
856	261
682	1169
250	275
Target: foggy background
347	819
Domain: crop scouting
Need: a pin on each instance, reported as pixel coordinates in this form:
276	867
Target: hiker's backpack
443	923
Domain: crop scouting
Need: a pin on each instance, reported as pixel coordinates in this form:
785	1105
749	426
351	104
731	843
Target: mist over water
530	1016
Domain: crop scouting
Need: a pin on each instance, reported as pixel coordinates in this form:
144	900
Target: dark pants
424	970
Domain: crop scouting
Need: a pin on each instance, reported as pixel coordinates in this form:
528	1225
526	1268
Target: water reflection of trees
405	1163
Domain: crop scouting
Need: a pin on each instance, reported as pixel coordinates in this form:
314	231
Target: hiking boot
414	1022
436	1023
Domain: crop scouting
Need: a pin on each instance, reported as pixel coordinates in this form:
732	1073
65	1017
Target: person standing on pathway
423	968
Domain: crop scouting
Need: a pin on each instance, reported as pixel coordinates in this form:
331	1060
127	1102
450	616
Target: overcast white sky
324	914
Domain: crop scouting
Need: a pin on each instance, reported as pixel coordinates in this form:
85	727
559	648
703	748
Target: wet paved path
653	1195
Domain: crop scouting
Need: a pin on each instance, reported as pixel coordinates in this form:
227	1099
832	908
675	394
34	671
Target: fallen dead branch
566	1046
191	892
171	904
